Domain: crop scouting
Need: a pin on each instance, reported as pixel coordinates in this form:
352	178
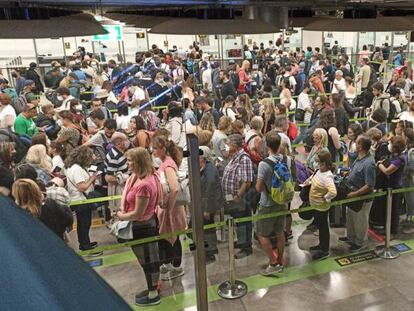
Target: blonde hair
28	196
142	162
37	154
268	109
204	137
224	123
324	136
257	123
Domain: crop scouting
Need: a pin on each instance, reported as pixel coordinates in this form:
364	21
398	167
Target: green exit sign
114	33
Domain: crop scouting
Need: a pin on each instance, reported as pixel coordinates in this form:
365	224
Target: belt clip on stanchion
386	251
232	289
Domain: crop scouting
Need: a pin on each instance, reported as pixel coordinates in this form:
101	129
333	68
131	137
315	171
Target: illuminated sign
114	33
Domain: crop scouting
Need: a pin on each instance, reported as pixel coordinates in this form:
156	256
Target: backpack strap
250	139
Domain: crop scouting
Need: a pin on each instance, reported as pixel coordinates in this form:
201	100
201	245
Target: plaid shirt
239	170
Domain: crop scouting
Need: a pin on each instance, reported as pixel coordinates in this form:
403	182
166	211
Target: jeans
301	135
321	219
84	221
243	230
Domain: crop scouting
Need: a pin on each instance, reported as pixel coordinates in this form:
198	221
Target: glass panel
366	38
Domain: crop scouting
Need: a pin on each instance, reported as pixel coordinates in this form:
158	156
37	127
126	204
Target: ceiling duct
275	16
251	12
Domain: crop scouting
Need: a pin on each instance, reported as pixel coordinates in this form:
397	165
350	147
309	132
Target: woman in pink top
141	196
172	218
365	53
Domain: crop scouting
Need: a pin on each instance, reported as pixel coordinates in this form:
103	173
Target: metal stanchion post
386	251
232	289
222	229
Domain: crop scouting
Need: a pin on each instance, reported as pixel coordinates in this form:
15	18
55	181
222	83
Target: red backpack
292	131
254	156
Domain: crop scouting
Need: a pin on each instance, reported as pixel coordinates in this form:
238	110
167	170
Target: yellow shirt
322	190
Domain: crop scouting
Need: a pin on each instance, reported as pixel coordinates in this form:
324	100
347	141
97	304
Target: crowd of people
88	130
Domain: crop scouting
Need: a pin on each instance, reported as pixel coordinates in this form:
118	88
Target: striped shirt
115	162
322	189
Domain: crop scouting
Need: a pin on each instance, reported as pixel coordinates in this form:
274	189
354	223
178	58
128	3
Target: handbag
299	114
343	188
183	195
122	229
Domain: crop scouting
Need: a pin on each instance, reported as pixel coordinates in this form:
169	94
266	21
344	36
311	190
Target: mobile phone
57	169
93	168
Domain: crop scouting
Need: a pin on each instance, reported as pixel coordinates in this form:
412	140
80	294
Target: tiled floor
371	286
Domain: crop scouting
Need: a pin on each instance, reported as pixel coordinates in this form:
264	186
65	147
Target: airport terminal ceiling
328	4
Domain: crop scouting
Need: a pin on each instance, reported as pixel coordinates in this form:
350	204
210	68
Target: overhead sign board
114	33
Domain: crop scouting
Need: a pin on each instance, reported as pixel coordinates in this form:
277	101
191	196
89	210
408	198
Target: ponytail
174	152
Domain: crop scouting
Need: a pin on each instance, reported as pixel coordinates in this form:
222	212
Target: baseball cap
28	82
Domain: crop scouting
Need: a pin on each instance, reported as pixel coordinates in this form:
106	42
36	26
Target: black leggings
147	254
321	219
170	253
84	220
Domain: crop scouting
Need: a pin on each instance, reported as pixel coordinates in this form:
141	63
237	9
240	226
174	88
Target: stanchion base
387	253
227	291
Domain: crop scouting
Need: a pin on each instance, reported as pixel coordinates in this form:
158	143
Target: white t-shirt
228	112
57	161
7	112
304	103
138	94
406	116
122	122
285	139
76	175
207	79
338	85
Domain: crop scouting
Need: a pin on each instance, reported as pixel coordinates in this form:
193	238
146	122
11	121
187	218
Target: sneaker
173	274
94	254
165	268
315	248
320	255
243	253
146	301
355	248
272	269
408	230
316	232
94	244
345	239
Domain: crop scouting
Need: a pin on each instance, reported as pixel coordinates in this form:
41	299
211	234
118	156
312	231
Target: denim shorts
270	226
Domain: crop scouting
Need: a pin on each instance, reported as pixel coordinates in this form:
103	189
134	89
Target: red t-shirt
242	77
145	188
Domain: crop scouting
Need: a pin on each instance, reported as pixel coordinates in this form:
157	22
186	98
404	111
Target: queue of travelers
90	130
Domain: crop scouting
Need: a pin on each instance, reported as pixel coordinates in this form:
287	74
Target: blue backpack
282	189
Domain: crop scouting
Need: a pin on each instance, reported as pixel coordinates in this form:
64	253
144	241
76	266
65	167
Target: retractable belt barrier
223	223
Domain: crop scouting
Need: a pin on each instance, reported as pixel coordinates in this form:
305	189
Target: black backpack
372	76
6	135
19	103
234	77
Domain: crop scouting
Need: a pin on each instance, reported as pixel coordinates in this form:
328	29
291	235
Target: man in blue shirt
362	178
398	58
